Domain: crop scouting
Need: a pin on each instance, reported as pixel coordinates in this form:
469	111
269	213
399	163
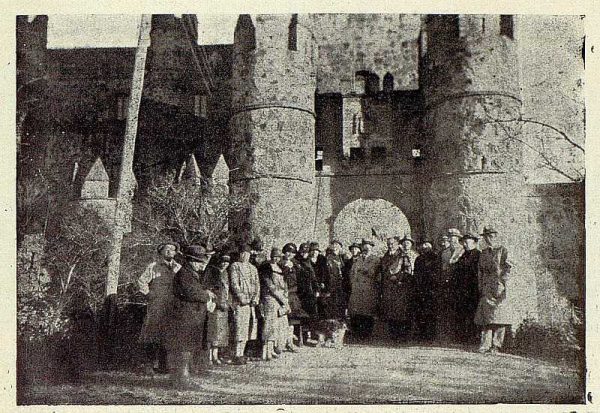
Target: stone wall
376	43
556	214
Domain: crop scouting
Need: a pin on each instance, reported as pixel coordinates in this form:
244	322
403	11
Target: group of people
200	302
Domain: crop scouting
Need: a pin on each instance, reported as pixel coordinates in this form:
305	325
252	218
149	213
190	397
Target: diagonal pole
126	184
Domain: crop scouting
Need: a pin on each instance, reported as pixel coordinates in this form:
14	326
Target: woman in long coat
364	294
217	329
308	285
397	287
273	304
494	313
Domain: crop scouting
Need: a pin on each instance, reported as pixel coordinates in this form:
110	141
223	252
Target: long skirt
217	331
270	328
283	331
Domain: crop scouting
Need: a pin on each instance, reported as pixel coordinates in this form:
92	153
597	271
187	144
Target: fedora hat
335	241
453	232
275	252
368	242
304	248
314	246
160	246
407	238
197	253
355	245
290	247
488	230
470	235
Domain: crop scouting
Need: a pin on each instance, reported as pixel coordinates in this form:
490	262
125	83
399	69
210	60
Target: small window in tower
357	154
293	33
122	107
507	26
378	152
200	106
388	83
319	158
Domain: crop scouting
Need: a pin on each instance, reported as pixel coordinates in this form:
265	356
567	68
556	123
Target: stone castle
342	126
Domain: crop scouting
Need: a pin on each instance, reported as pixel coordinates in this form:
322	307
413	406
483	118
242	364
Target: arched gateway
374	219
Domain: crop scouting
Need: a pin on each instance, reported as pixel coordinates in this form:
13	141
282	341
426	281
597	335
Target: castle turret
273	126
473	151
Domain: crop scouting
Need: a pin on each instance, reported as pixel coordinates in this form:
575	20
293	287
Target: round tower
473	152
272	127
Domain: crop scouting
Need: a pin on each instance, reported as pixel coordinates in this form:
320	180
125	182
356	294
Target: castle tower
173	77
473	152
273	126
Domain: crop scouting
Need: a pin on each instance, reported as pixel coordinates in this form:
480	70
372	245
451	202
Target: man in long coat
493	314
395	289
244	287
156	284
186	327
425	273
364	281
446	294
467	294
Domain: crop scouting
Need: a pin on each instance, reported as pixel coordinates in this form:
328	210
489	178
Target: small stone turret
273	126
474	158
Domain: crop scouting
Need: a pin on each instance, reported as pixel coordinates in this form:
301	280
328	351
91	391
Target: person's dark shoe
277	350
239	361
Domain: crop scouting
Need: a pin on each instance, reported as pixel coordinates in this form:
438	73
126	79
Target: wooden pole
126	185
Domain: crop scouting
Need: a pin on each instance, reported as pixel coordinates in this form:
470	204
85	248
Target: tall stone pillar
473	153
273	127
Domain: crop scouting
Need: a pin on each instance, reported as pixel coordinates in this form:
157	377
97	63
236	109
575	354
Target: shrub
559	342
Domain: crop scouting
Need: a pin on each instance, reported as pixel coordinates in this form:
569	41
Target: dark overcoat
157	279
307	286
397	285
189	310
338	299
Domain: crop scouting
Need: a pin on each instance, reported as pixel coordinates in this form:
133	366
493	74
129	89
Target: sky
67	31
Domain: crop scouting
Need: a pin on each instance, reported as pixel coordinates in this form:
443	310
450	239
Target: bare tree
187	212
546	141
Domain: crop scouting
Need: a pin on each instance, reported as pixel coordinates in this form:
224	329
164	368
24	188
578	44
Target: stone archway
374	219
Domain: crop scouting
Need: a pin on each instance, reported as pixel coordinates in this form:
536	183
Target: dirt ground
355	374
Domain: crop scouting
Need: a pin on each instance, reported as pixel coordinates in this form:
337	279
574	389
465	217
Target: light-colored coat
494	287
364	279
156	282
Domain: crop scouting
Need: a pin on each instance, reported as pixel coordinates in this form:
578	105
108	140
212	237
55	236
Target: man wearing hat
394	288
493	313
426	270
362	306
189	313
245	296
156	284
446	301
467	294
216	279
